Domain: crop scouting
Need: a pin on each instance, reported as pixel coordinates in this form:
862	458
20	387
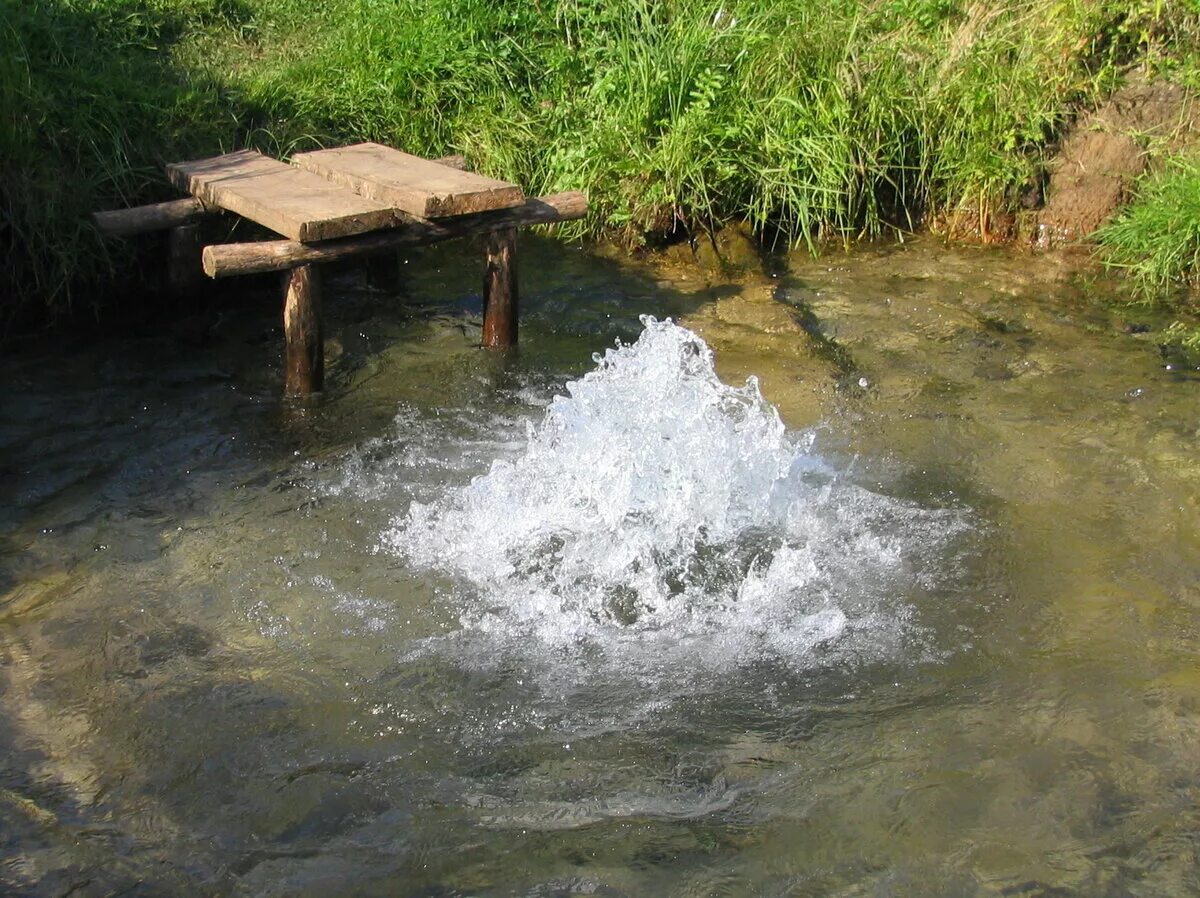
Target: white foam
657	517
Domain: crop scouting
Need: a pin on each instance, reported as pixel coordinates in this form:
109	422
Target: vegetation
814	119
1157	238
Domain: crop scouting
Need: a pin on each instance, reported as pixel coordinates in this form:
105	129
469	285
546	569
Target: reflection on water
929	629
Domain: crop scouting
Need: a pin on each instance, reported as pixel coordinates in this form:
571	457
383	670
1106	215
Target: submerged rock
734	247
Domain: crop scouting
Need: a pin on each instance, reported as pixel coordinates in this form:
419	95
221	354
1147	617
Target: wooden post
303	343
185	269
500	290
155	217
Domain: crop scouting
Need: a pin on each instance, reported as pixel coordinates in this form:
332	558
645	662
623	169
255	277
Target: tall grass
814	119
91	105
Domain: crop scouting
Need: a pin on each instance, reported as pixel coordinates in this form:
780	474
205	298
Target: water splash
657	517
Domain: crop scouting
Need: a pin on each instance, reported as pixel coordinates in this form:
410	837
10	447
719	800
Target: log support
155	217
231	259
303	343
500	290
185	270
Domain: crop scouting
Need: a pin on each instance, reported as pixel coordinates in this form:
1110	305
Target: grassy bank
1156	242
814	120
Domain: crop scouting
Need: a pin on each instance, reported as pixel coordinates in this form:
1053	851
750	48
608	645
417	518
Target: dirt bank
1105	151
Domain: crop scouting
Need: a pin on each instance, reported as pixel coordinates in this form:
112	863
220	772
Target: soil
1105	151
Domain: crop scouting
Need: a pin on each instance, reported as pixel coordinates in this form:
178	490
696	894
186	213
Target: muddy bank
1106	151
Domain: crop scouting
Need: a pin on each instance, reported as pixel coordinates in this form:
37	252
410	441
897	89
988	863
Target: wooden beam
227	260
155	217
420	187
304	344
500	290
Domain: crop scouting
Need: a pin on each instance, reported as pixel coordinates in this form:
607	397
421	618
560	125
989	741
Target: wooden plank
226	260
173	213
420	187
295	203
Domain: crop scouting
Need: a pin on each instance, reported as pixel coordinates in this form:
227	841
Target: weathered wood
304	345
185	272
500	290
231	259
173	213
155	217
295	203
420	187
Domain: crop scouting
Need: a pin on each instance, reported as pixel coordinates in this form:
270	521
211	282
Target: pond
913	610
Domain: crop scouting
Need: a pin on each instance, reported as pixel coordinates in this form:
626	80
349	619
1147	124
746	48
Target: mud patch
1106	151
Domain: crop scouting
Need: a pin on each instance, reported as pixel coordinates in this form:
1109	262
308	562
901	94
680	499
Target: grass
814	119
90	106
1156	241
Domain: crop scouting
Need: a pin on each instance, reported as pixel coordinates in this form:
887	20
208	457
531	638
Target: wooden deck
291	202
418	186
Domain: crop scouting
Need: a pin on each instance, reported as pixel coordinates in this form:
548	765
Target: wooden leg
304	345
185	273
500	290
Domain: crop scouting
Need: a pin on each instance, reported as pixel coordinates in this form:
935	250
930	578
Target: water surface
915	611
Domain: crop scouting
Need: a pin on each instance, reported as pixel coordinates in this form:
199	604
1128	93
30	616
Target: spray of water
658	517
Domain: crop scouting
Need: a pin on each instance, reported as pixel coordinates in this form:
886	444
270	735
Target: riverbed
868	574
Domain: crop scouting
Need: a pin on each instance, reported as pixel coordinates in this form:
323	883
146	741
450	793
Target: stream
873	574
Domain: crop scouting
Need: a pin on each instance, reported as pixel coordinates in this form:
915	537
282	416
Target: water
661	522
877	576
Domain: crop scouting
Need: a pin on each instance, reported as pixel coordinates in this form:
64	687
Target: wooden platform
335	204
295	203
420	187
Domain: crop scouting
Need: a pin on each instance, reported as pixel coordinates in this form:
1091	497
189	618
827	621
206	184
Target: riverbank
813	122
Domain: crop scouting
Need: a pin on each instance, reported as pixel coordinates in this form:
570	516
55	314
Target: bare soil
1105	151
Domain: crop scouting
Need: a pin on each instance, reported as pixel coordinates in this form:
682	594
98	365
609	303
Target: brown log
155	217
500	290
303	343
277	255
185	275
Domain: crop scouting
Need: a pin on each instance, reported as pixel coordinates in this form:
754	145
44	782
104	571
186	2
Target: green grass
814	119
1156	240
90	105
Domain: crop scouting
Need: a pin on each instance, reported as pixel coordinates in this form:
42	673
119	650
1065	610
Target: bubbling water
658	517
